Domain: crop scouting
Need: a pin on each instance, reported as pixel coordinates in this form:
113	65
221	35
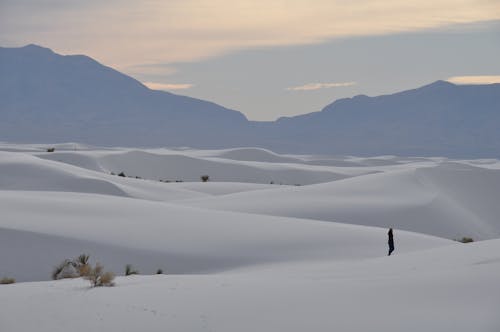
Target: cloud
317	86
158	31
168	86
479	79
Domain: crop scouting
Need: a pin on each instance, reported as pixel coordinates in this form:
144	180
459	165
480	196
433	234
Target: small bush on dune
465	239
205	178
159	271
66	269
51	149
99	278
78	267
82	265
6	281
56	271
84	270
129	270
107	279
83	259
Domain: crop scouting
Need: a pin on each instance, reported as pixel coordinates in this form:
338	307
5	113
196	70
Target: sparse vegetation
66	269
99	278
122	174
465	239
83	259
159	271
78	267
7	281
205	178
82	265
51	149
129	270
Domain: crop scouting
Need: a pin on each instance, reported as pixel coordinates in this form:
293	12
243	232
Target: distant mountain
47	97
436	119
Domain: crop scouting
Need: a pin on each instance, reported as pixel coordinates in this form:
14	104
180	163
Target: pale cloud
317	86
126	33
168	86
479	79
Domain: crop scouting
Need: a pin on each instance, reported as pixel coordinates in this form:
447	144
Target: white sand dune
82	174
189	166
451	200
25	172
226	239
411	292
242	254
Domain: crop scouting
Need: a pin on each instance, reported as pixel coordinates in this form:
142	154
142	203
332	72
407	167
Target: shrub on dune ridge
75	268
65	269
465	239
7	281
99	278
129	270
82	265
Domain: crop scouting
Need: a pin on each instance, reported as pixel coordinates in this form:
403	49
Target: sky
271	58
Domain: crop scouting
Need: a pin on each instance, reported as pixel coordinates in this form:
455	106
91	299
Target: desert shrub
122	174
107	279
57	270
78	267
205	178
99	278
159	271
6	281
465	239
83	259
84	270
66	269
82	265
51	149
129	270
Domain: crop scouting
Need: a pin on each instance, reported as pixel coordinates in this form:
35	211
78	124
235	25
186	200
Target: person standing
391	241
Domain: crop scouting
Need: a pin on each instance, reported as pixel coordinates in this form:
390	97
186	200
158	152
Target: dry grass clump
99	278
84	270
82	265
107	279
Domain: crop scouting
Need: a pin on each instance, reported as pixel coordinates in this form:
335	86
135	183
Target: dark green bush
129	270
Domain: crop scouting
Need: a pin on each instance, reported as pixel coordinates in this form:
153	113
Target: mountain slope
48	97
437	119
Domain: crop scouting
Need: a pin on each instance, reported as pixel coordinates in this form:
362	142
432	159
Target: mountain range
47	97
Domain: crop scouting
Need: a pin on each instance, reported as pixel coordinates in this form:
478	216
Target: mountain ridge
49	97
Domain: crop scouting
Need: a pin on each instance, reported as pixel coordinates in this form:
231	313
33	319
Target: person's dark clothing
390	242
